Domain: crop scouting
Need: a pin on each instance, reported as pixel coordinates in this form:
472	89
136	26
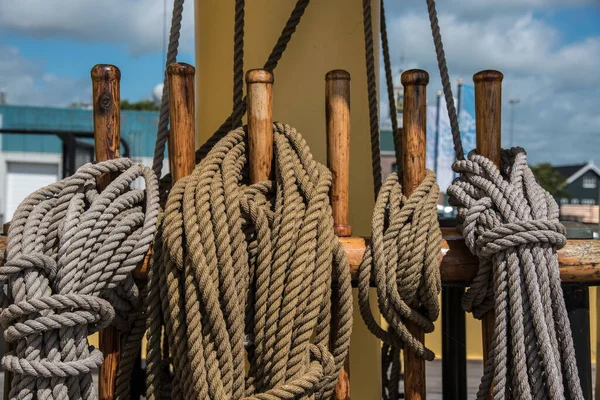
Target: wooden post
413	172
337	111
260	123
488	104
181	111
107	137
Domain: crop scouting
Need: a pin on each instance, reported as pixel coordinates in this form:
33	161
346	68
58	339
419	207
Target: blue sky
548	50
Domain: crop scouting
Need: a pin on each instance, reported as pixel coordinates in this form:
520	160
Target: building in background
582	193
31	161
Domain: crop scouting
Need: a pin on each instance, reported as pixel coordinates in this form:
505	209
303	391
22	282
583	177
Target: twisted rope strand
390	88
511	223
258	263
372	96
403	262
238	64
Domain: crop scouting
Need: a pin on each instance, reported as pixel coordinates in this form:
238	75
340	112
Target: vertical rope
441	58
372	94
238	65
390	89
163	122
270	64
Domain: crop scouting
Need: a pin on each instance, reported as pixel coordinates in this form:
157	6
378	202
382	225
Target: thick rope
69	257
372	96
511	223
270	64
389	80
404	256
238	65
403	262
250	267
445	76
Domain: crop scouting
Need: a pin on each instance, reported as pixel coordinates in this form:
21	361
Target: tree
142	105
550	179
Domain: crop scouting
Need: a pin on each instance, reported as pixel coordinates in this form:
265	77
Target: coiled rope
266	251
511	223
70	254
403	258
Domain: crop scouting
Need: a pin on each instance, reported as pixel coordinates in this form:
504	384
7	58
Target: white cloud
136	24
557	82
25	82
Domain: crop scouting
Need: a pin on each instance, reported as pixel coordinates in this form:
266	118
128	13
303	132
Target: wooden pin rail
414	133
107	138
337	115
579	260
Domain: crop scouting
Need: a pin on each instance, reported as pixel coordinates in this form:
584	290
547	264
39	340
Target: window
394	167
564	200
589	182
574	201
588	201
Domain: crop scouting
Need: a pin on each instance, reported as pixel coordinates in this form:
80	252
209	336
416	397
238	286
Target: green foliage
142	105
550	179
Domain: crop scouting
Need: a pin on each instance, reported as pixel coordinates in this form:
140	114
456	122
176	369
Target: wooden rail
579	260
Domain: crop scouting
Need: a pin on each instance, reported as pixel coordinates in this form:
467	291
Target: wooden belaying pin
414	134
259	83
181	145
488	124
337	114
107	138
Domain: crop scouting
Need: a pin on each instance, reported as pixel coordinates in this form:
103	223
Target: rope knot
511	223
31	261
521	233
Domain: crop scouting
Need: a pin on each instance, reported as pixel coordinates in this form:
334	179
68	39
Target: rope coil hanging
403	258
70	254
511	223
265	250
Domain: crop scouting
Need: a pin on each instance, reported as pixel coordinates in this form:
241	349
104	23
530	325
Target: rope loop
403	261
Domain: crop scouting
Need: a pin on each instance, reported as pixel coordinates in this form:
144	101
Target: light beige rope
251	271
403	262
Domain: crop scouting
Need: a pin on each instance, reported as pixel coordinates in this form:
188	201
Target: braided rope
511	223
252	267
70	253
